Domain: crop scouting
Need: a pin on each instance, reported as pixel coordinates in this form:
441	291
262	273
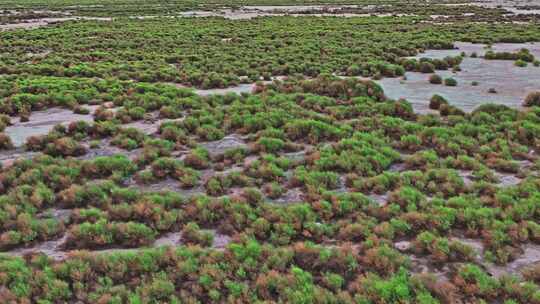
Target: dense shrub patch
318	190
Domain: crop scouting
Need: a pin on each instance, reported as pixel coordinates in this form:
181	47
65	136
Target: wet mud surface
228	142
36	23
513	6
55	249
7	157
380	199
245	12
42	122
487	72
512	83
422	264
251	11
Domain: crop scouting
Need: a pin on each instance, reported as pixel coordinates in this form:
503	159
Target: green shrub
435	79
520	63
451	82
532	100
437	101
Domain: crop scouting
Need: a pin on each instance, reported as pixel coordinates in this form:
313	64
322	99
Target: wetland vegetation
303	158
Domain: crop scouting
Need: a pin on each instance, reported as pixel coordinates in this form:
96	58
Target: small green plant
450	82
435	79
520	63
437	101
5	142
